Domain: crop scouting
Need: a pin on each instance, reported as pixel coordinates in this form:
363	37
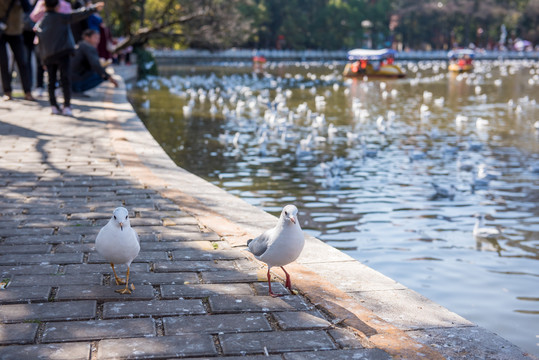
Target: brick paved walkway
195	296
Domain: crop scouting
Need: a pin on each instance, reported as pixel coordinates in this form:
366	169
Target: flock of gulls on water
261	119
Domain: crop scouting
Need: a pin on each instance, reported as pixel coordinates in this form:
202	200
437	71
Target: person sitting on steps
86	68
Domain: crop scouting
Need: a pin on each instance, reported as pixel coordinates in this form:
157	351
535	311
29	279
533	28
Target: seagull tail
249	241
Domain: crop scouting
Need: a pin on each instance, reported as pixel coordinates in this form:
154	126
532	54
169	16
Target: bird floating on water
443	192
280	245
480	231
118	243
486	238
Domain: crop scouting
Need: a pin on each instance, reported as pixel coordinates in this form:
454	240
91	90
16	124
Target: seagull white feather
280	245
118	243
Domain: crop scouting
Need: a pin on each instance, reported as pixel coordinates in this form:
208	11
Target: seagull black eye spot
114	217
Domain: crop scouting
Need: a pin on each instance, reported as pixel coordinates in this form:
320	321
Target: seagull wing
136	235
259	245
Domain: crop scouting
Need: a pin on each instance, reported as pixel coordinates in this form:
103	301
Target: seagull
280	245
118	243
478	183
443	192
481	231
486	236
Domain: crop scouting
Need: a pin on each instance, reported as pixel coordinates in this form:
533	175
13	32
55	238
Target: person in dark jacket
12	35
56	47
86	68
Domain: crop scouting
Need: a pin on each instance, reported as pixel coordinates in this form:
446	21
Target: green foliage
323	24
145	62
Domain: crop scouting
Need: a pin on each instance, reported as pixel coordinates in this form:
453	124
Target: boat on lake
368	62
258	58
460	60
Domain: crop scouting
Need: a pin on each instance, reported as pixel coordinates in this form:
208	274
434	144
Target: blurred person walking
35	16
56	47
28	36
11	27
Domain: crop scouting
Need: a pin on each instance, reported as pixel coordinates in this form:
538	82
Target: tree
529	23
210	24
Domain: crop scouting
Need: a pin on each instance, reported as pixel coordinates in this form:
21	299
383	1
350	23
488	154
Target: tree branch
142	35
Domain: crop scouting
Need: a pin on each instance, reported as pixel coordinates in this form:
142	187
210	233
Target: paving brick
91	215
51	223
157	347
17	333
215	324
275	342
357	354
143	256
106	293
97	329
19	259
345	338
136	222
172	230
247	264
42	239
300	320
25	249
75	248
148	238
204	290
26	231
105	268
28	269
24	218
216	277
152	308
207	255
67	351
165	205
180	221
24	294
183	235
247	303
195	266
163	278
75	310
180	245
79	230
56	280
262	288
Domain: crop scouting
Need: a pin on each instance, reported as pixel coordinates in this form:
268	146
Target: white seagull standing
280	245
118	243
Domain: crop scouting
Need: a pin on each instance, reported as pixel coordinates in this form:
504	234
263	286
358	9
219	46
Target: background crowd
54	37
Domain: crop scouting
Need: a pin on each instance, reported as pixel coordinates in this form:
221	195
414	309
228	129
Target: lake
396	173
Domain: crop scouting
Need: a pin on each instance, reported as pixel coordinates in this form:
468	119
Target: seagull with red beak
280	245
118	243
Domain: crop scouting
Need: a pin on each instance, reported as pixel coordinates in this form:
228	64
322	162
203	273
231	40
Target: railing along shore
235	55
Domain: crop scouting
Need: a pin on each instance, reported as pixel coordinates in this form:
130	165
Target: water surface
359	159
